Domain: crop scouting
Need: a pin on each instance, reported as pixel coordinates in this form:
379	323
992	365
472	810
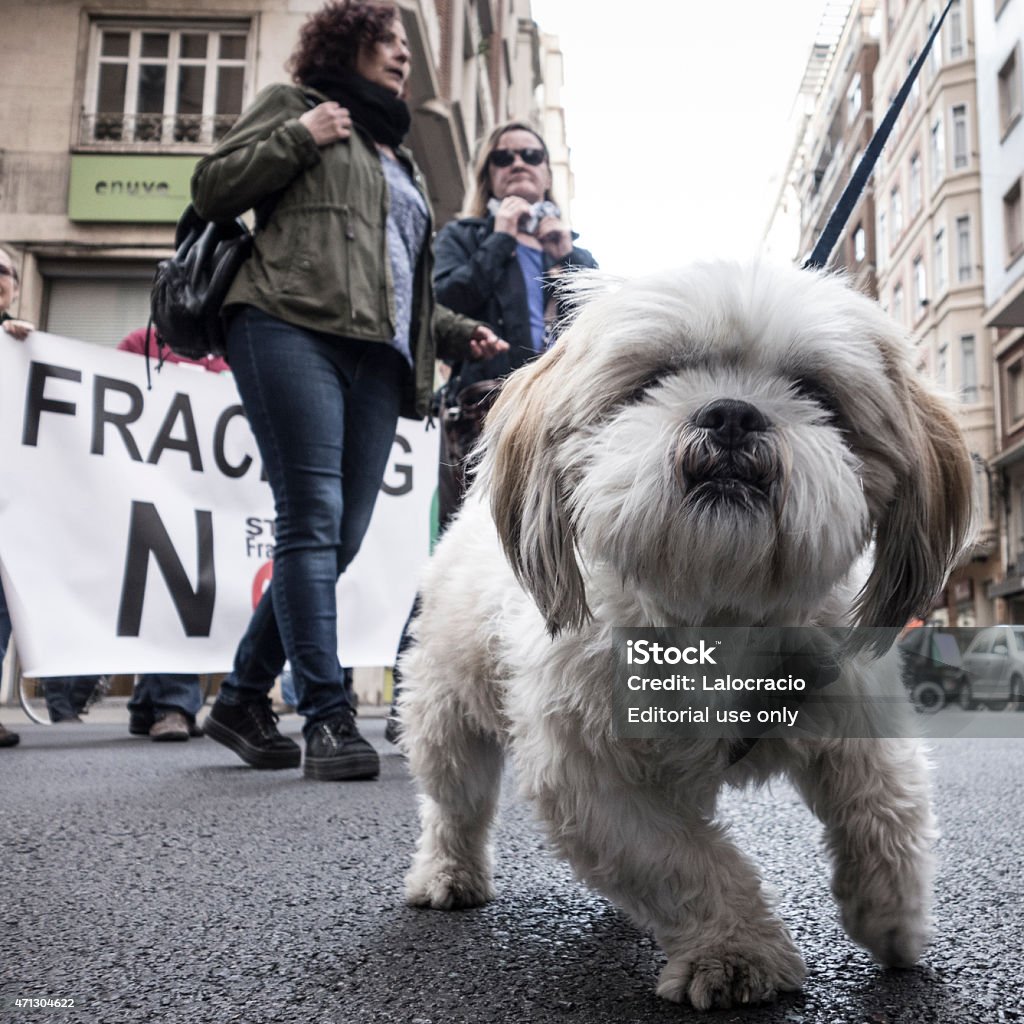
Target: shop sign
147	189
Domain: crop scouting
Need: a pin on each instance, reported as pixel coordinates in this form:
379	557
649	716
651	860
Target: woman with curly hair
333	333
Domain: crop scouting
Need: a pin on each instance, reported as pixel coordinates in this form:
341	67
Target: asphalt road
155	882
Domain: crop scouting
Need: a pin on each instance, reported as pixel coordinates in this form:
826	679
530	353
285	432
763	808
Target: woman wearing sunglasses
499	264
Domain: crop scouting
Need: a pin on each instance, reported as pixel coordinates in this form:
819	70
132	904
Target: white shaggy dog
717	446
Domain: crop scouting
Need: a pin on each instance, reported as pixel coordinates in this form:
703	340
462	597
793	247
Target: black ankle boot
250	730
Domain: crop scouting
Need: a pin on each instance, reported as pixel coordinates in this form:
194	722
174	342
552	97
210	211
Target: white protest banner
135	531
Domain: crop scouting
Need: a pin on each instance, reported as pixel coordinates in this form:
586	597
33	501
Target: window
935	53
964	263
942	366
955	27
938	152
1020	520
968	369
939	262
960	151
914	96
897	303
164	85
1009	94
896	213
883	240
854	98
920	287
860	248
1012	227
1015	391
915	184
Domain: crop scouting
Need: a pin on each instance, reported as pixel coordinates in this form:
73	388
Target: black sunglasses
506	157
6	271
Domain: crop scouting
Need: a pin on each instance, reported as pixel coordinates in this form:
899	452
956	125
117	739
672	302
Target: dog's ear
520	465
923	530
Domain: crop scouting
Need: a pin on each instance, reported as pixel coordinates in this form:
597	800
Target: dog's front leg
675	872
459	771
873	796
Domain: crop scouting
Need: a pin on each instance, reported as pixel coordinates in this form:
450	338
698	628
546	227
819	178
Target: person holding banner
19	329
66	696
333	332
164	705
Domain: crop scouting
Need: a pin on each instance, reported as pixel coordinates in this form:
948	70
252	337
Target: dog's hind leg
873	796
458	767
675	871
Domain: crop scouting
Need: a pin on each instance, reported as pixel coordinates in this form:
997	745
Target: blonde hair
477	205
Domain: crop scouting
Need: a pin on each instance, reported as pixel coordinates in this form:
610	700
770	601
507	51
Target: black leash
844	207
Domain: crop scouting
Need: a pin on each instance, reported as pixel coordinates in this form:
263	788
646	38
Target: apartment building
839	81
929	250
915	238
999	31
105	107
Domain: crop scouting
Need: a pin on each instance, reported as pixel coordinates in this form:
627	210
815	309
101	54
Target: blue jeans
67	696
157	692
323	411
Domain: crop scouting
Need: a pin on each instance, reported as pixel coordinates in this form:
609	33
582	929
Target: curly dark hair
332	36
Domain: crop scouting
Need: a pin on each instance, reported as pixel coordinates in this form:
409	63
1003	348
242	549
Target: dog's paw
724	977
447	887
894	936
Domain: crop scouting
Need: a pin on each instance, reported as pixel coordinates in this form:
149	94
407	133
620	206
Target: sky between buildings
678	118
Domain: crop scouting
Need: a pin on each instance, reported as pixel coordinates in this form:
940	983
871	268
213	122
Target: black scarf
373	107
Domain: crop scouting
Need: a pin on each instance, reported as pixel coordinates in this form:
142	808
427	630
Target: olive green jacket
321	261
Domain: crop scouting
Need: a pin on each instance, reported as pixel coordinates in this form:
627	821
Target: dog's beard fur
715	447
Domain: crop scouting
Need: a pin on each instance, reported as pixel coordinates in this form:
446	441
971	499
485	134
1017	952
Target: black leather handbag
189	288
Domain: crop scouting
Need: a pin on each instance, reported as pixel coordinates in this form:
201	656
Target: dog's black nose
730	422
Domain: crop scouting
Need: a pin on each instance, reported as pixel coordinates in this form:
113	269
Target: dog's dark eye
821	396
643	387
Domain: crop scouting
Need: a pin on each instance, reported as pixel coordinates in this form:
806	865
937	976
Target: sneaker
8	739
250	730
335	751
171	726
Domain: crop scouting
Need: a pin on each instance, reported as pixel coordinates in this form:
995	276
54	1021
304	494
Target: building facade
999	32
840	81
928	223
106	107
915	240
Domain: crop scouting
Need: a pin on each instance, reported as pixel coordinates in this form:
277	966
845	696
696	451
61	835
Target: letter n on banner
148	535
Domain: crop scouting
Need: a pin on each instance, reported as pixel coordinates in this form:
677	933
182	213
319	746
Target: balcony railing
156	130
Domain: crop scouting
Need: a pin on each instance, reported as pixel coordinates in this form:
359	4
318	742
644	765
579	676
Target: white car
994	663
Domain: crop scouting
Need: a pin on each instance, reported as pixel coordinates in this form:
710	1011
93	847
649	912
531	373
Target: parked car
932	669
994	663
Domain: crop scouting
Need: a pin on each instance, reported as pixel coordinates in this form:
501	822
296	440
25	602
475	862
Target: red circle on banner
261	581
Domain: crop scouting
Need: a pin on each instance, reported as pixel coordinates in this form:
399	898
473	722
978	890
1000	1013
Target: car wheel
928	697
966	699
